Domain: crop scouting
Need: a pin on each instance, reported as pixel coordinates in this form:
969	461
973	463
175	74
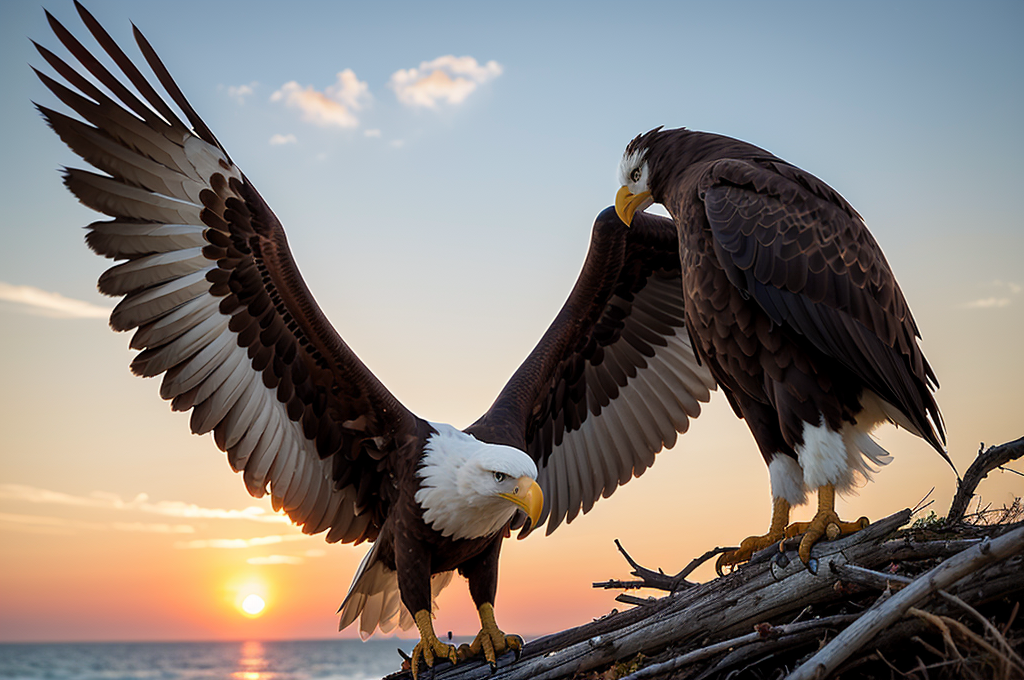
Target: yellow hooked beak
528	497
626	204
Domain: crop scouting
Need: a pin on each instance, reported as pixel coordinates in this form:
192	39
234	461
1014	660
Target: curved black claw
781	559
518	648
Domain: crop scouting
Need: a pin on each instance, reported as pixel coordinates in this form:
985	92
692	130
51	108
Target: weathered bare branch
877	619
658	579
761	634
987	460
875	579
870	577
724	607
1013	657
771	614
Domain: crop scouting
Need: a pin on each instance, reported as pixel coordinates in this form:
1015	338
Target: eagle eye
635	175
500	477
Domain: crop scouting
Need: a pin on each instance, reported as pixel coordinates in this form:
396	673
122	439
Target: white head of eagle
634	178
471	488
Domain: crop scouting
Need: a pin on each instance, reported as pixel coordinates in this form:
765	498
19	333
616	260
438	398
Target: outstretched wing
806	257
218	303
613	380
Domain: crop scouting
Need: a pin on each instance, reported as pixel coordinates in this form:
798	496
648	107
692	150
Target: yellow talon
490	640
429	648
826	523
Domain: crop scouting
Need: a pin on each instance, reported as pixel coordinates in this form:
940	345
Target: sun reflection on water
252	662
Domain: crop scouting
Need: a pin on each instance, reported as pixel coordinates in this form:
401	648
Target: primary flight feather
219	309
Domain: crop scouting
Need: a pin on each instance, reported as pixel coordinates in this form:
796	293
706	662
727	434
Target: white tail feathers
374	598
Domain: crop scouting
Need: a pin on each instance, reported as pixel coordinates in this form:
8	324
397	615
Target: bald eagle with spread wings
792	306
220	310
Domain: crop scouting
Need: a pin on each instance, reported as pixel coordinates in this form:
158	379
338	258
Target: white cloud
141	503
1009	290
332	107
32	300
239	543
61	525
448	79
279	139
988	303
372	133
349	91
275	559
153	528
240	92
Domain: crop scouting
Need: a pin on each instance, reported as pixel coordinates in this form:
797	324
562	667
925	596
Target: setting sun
253	605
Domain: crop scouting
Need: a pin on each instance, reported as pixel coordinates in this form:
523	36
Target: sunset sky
437	168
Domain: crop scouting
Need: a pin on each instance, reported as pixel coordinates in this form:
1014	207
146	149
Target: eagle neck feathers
453	471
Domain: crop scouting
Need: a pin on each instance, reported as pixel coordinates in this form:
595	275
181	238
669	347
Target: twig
978	641
946	625
805	610
616	584
901	550
871	578
889	663
987	625
879	618
755	654
920	641
637	601
921	667
938	622
955	662
922	504
986	461
763	633
1012	617
658	579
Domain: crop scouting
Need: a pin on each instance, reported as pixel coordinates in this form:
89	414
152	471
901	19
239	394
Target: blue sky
442	241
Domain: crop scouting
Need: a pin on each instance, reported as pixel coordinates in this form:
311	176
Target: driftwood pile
939	599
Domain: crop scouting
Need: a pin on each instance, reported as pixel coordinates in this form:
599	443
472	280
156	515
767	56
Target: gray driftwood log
774	604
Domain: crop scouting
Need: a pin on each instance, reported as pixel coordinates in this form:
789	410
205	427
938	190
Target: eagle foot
748	546
491	641
429	648
751	544
826	524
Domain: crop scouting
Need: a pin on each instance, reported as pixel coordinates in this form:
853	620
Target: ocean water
283	660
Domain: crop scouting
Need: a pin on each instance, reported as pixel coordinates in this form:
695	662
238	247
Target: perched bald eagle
792	306
221	311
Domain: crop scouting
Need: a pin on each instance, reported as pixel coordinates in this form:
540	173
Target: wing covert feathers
217	304
614	378
807	258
